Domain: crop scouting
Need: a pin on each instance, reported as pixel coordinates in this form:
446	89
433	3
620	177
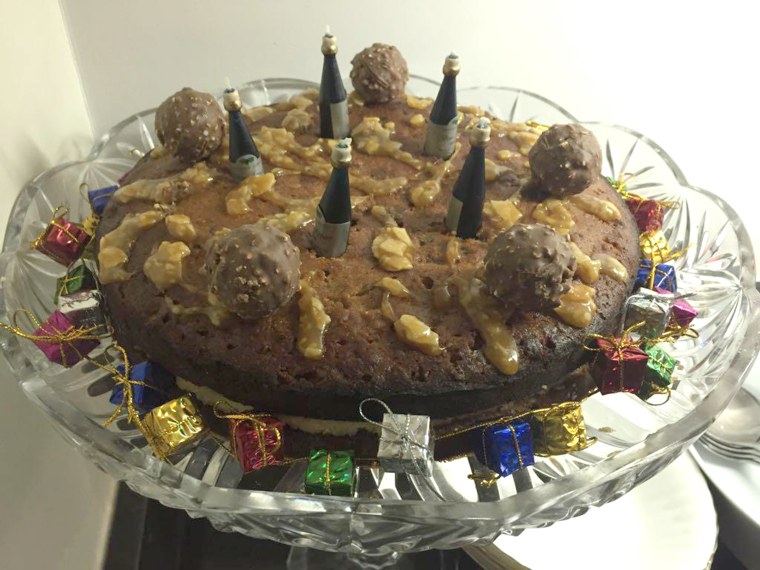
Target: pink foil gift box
62	241
57	348
682	313
258	442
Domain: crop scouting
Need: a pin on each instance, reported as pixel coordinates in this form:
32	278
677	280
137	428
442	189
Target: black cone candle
333	105
244	156
441	136
333	220
466	206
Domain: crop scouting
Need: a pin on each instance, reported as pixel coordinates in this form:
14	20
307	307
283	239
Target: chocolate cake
218	279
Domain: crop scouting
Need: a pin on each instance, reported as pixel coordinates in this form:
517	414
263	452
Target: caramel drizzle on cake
393	247
312	323
577	307
611	267
181	227
167	190
489	316
116	245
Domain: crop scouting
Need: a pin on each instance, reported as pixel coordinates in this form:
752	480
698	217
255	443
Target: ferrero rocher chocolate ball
565	160
379	73
529	266
190	124
253	270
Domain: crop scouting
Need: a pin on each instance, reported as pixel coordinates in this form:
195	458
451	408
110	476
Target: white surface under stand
737	499
667	523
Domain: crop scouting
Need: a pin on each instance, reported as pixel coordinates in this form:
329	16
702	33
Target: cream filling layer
338	428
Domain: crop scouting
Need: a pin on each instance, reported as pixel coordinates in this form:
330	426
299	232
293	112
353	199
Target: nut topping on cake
379	73
529	266
565	160
190	124
253	270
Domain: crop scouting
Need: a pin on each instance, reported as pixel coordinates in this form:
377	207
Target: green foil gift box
79	277
331	473
659	372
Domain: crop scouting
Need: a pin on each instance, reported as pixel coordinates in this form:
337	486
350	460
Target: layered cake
211	264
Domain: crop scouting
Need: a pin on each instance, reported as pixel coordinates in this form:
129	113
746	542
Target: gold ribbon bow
66	338
620	185
127	397
261	428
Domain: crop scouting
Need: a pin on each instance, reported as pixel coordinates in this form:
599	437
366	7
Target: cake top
465	313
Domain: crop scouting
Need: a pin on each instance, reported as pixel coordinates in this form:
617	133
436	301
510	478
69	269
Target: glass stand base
312	559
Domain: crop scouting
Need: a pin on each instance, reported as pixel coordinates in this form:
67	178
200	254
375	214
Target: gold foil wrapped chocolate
654	246
172	426
559	429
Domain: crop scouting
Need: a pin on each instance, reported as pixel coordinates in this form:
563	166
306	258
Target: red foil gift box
618	366
648	213
258	442
62	241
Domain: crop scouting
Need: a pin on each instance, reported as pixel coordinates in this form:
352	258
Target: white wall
55	506
679	72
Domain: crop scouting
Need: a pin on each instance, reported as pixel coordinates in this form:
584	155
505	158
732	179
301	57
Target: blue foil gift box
664	276
153	389
505	447
99	198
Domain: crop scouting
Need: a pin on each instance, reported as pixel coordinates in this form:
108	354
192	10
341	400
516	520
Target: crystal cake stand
392	514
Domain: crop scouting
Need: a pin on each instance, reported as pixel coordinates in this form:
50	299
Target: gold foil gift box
172	426
559	429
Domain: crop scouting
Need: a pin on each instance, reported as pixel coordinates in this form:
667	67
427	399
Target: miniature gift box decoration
172	426
559	429
79	277
331	473
100	197
654	246
406	445
648	213
257	441
661	275
62	241
651	310
659	373
505	447
618	365
62	342
151	384
682	313
85	310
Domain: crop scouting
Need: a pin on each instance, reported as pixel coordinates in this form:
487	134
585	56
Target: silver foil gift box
85	310
650	308
406	445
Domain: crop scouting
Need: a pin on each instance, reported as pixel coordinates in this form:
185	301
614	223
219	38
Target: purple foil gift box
64	352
